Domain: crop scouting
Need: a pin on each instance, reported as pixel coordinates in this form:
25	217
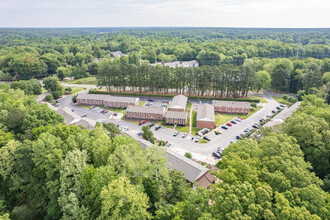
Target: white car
197	139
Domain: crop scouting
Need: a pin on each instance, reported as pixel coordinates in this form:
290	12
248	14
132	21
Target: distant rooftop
220	103
179	102
176	114
144	109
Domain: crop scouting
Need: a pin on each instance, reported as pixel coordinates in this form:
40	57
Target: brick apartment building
175	117
231	107
179	103
146	113
90	99
106	100
119	102
205	116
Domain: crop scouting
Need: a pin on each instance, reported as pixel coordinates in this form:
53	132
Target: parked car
206	138
283	106
224	127
238	137
197	139
278	107
233	141
168	145
262	119
240	118
247	130
184	135
215	154
157	127
105	111
56	105
217	132
255	126
83	115
142	122
219	150
176	133
101	120
92	107
274	111
150	100
268	116
229	124
139	134
102	111
151	125
233	122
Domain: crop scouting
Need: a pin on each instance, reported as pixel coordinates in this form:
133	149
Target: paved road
179	143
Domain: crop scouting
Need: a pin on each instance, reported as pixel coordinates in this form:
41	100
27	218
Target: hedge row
93	91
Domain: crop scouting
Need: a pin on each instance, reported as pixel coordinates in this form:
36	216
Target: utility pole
140	57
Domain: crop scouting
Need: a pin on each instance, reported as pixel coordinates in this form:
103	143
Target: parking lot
179	143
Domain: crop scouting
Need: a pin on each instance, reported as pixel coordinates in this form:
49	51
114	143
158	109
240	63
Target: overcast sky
191	13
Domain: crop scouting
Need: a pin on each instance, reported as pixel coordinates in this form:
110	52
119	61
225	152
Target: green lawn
282	101
224	118
195	130
262	99
117	110
88	81
141	103
251	112
43	91
182	129
75	90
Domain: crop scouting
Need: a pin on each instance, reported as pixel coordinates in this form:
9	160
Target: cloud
229	13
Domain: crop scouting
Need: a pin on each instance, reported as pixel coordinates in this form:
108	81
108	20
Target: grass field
88	81
117	110
75	90
141	103
282	101
262	99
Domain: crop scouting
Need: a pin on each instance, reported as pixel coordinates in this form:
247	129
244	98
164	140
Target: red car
229	124
240	118
106	111
142	122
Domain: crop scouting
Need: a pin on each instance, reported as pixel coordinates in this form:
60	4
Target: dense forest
49	170
233	61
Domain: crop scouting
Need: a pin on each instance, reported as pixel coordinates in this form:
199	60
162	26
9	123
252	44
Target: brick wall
205	124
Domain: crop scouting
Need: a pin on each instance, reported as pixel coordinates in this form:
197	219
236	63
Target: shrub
57	93
203	141
74	98
285	97
49	98
300	94
188	155
253	104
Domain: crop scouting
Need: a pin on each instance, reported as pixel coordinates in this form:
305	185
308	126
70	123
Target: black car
255	126
150	100
157	127
283	106
233	122
215	154
102	111
207	138
151	125
278	107
273	111
238	137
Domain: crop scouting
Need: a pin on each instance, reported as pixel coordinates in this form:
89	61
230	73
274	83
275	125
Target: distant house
205	116
175	64
106	100
178	103
175	117
231	107
67	114
118	54
194	173
143	112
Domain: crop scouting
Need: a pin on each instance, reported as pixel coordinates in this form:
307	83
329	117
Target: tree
49	98
113	129
263	80
147	133
71	187
122	200
281	72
